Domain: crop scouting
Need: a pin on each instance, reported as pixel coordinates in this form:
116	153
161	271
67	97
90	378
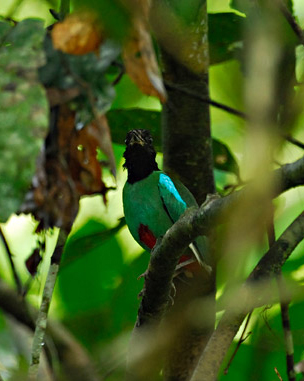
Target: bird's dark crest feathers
140	155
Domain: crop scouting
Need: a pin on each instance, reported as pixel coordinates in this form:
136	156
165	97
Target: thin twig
294	141
240	342
292	21
10	258
278	374
231	110
41	323
120	74
288	340
226	108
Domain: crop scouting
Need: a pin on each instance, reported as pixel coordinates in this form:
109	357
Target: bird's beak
135	140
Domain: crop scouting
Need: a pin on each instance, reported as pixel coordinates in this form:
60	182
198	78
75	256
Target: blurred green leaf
115	18
241	5
87	283
23	110
116	313
121	121
186	10
89	242
245	5
5	26
223	158
225	36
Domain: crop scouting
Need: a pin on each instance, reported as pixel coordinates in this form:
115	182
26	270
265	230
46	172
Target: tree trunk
187	152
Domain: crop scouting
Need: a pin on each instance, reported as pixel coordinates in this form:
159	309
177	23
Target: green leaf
225	36
123	120
223	158
114	16
87	283
23	111
5	26
241	5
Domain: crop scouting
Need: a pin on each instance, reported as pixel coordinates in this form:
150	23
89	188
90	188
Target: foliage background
96	294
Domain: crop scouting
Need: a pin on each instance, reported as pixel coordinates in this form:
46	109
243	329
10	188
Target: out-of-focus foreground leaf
79	33
123	120
23	109
114	16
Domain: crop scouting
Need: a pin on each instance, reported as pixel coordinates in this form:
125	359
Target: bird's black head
140	155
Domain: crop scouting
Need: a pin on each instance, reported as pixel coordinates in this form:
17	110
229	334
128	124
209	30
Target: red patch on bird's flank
146	236
193	267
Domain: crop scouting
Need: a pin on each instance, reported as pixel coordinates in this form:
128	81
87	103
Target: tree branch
270	265
205	99
292	21
41	323
193	223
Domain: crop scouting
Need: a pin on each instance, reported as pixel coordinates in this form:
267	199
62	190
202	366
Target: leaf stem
64	8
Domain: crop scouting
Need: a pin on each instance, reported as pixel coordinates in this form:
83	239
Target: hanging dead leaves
66	170
68	167
140	60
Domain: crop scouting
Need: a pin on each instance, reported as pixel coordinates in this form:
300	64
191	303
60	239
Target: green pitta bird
153	202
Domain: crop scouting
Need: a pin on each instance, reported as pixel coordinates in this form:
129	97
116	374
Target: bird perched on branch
153	202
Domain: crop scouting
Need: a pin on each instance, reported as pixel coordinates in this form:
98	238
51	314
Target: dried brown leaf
66	170
78	33
104	139
140	60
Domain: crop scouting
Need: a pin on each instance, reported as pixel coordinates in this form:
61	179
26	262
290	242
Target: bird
153	202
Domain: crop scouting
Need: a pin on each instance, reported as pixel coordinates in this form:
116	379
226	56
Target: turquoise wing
176	199
172	200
